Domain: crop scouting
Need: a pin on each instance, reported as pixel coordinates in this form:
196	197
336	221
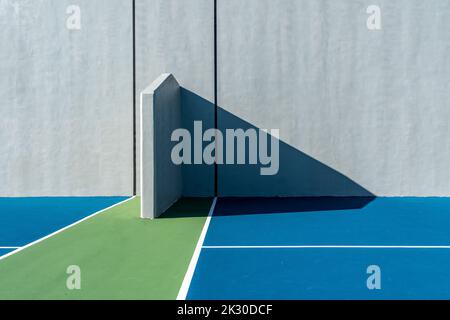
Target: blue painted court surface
320	248
5	251
24	220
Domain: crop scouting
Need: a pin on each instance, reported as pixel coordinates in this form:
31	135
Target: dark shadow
312	185
188	208
298	175
243	206
200	177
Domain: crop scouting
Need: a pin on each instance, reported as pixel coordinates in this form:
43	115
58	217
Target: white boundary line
326	247
63	229
182	294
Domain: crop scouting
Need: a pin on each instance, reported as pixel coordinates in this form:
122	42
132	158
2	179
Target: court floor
143	259
324	248
26	220
249	248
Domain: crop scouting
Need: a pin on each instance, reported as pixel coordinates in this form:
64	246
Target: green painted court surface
120	255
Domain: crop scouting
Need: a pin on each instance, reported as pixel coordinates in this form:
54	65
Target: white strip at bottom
182	294
327	247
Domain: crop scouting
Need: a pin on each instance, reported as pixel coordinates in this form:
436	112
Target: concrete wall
176	36
160	111
66	98
360	112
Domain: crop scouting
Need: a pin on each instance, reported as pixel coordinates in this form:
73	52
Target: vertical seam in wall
216	173
134	95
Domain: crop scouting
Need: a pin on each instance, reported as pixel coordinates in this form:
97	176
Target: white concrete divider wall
161	180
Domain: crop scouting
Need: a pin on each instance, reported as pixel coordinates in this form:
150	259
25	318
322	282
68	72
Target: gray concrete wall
176	36
360	112
65	99
161	180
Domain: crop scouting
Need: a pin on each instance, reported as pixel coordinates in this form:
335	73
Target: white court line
63	229
327	247
182	294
